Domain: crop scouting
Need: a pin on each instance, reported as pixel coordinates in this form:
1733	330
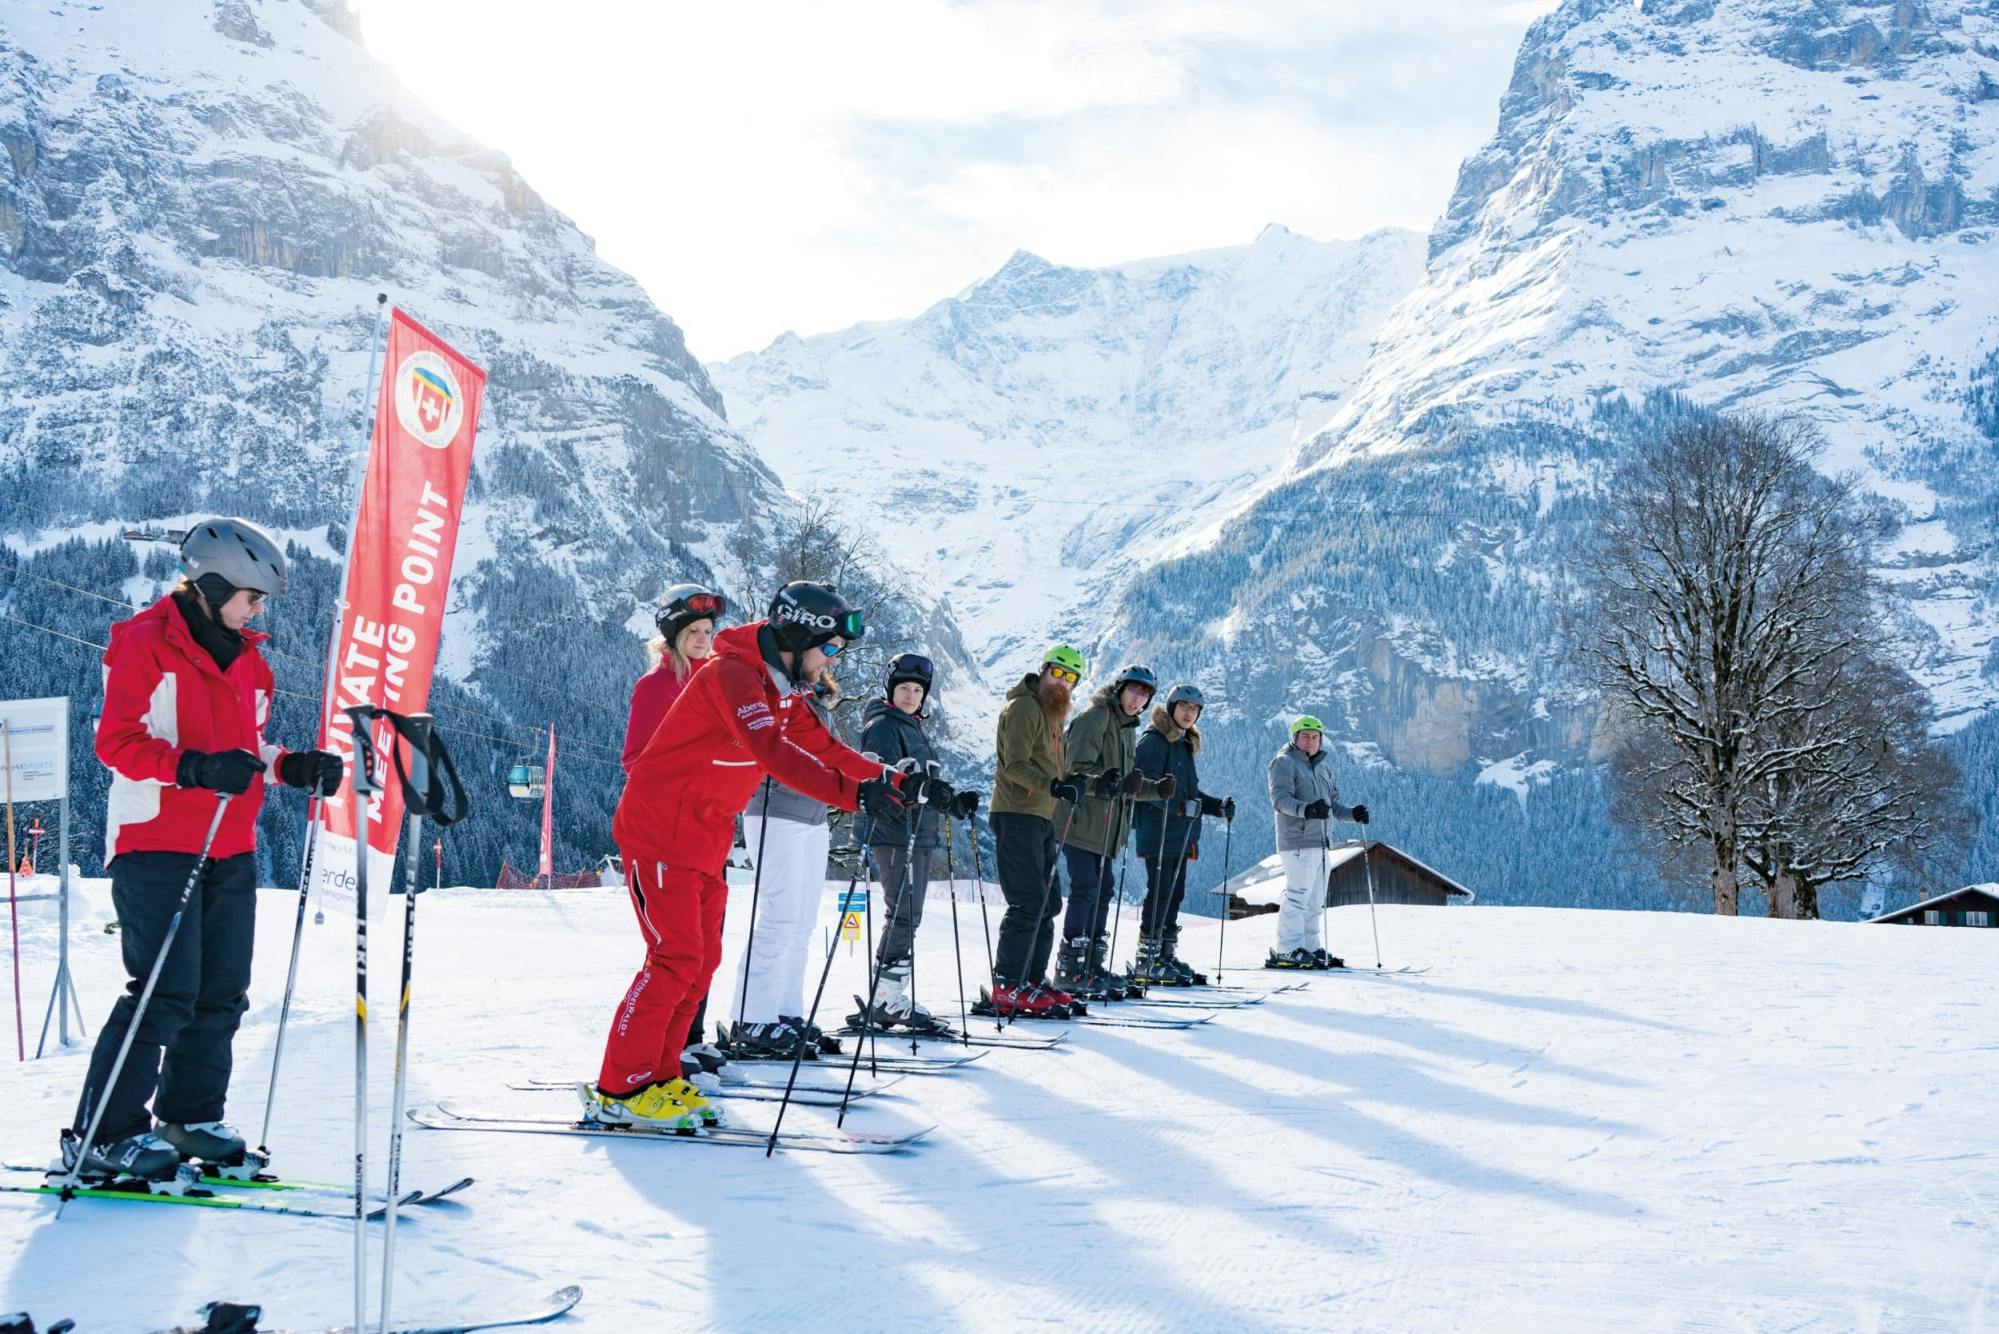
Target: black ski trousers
1092	886
1024	846
181	1050
1165	887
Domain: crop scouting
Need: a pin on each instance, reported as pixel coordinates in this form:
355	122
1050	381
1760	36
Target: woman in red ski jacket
186	697
740	717
686	621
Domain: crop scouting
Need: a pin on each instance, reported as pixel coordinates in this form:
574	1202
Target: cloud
803	166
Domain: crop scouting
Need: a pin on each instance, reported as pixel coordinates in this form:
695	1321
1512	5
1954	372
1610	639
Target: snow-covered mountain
199	201
1026	445
1751	204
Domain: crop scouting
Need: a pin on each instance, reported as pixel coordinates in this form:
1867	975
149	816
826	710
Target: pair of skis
305	1199
445	1116
233	1318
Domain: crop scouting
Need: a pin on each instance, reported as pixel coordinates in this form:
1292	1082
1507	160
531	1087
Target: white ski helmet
236	551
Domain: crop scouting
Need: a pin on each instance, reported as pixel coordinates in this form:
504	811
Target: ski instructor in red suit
740	717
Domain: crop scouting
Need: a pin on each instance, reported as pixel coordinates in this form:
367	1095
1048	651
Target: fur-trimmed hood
1162	723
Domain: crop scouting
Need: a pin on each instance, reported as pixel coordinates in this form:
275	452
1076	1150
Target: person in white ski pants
1304	799
792	886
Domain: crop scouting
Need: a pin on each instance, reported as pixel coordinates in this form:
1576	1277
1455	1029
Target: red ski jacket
733	723
163	694
651	698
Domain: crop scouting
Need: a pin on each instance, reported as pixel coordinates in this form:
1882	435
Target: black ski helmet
909	667
1135	675
1185	694
805	615
684	604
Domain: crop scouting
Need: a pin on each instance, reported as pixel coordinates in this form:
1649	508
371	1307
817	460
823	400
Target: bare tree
1722	583
1869	787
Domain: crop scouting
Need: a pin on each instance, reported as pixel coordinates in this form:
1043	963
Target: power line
315	701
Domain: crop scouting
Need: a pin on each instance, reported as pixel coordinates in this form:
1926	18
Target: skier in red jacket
740	717
186	697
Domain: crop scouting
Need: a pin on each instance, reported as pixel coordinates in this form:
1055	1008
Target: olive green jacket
1100	739
1030	754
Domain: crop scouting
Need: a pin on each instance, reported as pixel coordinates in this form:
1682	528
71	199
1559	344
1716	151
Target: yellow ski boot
656	1107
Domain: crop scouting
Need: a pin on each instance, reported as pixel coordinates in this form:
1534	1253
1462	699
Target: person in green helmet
1305	799
1031	776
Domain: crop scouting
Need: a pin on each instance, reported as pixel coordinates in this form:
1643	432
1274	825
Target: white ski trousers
1298	916
788	898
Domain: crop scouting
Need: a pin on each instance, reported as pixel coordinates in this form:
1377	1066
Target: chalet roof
1990	891
1264	882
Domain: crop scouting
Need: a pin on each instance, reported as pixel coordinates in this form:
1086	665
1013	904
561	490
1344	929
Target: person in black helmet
186	696
892	731
1167	835
1102	742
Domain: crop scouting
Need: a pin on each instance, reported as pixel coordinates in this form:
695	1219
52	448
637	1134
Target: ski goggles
1061	673
912	664
706	604
832	648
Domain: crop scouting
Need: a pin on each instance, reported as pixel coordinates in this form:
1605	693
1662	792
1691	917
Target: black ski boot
777	1041
1147	968
1321	959
1072	967
1292	959
145	1156
213	1142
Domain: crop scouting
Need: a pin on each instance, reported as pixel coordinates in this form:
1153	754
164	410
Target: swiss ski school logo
428	402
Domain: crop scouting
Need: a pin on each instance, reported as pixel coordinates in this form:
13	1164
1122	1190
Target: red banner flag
398	573
548	816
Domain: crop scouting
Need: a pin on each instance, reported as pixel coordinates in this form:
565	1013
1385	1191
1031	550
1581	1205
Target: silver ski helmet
806	615
1185	694
684	604
235	551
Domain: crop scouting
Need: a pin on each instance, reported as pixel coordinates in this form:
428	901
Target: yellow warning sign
850	926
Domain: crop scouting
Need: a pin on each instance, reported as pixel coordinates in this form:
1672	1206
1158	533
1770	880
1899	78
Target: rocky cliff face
198	204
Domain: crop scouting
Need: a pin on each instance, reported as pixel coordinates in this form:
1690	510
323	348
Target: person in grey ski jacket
1304	800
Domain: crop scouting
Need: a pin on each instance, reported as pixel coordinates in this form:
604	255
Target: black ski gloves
965	804
1163	786
224	771
1109	783
933	790
1360	814
894	791
1065	789
1216	807
1318	810
311	769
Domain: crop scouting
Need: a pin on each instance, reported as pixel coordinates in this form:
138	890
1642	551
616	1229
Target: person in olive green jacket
1031	774
1103	741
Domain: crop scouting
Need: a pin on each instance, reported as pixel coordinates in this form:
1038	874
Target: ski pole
1124	863
756	891
957	950
1325	881
915	817
804	1032
1228	845
360	717
985	916
1048	888
424	797
1367	869
139	1011
285	1009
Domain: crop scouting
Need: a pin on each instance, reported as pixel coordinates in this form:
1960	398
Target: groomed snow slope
1576	1120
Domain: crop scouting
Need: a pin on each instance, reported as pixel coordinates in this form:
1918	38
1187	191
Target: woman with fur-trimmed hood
1167	834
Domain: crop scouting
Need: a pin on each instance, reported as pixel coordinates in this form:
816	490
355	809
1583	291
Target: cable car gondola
527	781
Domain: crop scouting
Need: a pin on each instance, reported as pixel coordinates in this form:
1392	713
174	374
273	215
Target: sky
806	166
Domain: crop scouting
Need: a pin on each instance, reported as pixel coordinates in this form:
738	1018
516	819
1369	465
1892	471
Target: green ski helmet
1067	659
1305	722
